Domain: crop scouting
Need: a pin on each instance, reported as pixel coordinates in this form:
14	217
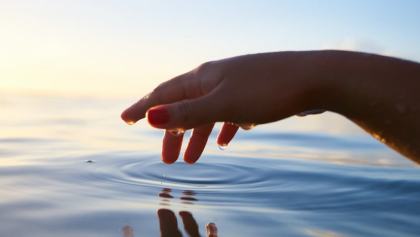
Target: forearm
380	94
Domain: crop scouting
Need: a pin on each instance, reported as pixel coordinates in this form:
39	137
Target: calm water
70	167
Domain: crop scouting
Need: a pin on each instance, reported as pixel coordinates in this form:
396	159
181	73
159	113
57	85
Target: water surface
70	167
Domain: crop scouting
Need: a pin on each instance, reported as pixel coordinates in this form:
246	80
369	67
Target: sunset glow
127	48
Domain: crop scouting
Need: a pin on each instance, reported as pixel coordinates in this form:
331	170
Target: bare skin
380	94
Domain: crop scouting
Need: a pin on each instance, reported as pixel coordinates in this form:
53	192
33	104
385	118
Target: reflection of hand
169	226
251	89
127	231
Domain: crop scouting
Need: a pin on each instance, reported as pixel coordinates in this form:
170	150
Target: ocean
70	167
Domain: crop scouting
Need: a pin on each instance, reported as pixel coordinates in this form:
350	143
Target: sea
69	166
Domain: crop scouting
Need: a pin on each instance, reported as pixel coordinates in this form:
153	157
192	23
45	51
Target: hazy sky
118	47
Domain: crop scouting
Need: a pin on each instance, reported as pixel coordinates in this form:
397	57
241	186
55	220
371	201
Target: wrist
343	78
321	90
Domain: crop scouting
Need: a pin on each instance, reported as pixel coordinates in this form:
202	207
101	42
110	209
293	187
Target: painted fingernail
158	115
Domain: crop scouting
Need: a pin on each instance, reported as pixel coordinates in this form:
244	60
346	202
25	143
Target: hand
250	89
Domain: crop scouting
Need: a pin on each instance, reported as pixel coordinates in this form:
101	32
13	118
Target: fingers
187	114
190	225
197	143
179	88
227	133
171	146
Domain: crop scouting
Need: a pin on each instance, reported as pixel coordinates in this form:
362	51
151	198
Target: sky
126	48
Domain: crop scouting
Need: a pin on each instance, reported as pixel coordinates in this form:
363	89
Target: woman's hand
380	94
240	91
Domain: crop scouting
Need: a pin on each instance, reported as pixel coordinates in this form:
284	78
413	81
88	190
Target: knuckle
184	110
208	75
204	67
186	91
158	94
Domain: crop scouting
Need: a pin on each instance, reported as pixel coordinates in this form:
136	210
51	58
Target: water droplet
176	131
247	126
222	147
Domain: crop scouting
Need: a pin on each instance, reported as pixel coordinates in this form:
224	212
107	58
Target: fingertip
190	160
170	156
221	142
226	134
194	150
171	147
168	159
125	117
168	162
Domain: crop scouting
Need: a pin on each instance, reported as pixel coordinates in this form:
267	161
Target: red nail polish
158	115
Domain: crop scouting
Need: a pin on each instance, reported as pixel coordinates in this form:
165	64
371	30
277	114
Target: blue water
70	167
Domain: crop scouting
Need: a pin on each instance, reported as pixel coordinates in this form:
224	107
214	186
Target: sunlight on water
322	233
70	167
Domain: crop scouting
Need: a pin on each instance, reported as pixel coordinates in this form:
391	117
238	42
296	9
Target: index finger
179	88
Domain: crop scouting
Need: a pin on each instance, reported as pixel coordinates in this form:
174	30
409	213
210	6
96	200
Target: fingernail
158	115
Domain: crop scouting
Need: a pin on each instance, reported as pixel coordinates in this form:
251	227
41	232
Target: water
70	167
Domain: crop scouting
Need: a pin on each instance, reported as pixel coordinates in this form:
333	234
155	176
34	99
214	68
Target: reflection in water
211	230
127	231
168	223
188	197
264	185
165	194
322	233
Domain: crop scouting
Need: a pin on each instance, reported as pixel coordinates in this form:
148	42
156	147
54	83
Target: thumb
185	114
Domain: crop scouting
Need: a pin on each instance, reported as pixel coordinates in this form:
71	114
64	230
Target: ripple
264	183
215	175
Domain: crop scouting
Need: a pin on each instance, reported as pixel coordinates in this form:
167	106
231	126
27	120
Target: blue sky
119	47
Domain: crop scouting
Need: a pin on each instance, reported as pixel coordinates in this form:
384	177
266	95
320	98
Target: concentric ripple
215	175
285	184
